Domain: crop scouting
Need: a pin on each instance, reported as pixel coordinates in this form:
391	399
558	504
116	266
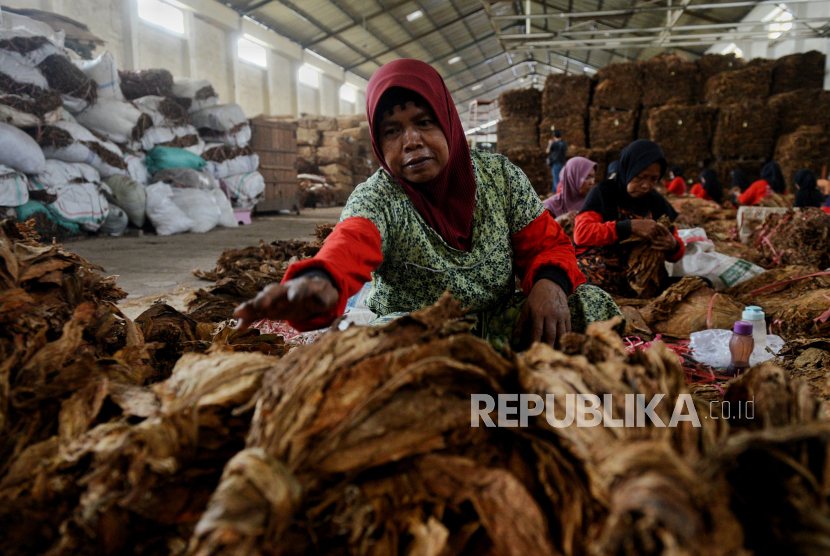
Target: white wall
208	50
766	48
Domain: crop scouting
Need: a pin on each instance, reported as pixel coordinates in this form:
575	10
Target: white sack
186	178
17	118
245	190
14	188
227	218
16	22
112	118
19	151
105	73
116	222
232	166
20	72
723	271
82	203
188	87
240	138
222	118
34	57
79	152
156	136
137	168
200	207
749	218
57	173
163	213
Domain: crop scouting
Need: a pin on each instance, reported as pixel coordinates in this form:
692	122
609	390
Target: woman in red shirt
620	208
772	181
677	185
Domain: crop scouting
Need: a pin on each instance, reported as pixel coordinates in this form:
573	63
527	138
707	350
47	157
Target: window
309	76
251	52
347	93
162	14
781	24
733	49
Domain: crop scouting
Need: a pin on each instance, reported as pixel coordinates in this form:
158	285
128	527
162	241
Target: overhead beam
649	9
353	25
419	37
698	42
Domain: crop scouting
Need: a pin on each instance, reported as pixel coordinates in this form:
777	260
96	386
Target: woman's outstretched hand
298	299
546	313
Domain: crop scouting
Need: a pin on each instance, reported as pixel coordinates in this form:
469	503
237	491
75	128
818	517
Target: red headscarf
446	203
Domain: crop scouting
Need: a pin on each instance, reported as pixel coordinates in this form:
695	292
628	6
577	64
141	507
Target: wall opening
162	14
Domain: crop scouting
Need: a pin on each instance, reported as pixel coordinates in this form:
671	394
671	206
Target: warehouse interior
567	294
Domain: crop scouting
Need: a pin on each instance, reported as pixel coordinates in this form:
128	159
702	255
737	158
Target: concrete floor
162	266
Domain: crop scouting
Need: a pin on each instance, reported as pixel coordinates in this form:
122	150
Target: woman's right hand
297	300
645	228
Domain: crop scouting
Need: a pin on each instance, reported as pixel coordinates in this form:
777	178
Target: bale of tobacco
521	103
797	236
710	65
517	133
600	156
533	162
683	132
566	95
141	83
572	126
669	79
729	87
807	359
611	126
807	147
619	86
689	306
802	107
804	70
745	130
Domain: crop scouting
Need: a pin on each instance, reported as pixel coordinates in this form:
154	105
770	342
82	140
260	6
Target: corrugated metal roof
361	34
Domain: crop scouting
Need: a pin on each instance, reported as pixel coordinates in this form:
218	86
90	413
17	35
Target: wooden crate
275	141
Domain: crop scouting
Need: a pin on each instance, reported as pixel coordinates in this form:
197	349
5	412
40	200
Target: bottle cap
743	328
753	313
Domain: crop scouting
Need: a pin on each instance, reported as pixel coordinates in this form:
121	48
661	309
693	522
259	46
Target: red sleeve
590	230
753	194
543	243
680	251
825	210
350	254
698	191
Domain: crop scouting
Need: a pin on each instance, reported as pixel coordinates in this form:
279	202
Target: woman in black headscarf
711	184
620	208
771	182
740	183
808	194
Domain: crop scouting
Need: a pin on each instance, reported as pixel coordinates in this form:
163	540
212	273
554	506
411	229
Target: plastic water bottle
740	346
756	316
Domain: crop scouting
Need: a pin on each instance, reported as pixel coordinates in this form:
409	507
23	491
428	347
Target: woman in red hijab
438	216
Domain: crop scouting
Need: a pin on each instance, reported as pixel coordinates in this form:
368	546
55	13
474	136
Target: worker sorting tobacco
439	216
620	208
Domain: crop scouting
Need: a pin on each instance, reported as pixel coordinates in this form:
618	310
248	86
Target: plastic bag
112	118
233	166
80	150
186	178
245	190
163	213
116	222
137	168
82	203
711	347
161	158
160	136
223	118
200	207
19	151
227	218
701	259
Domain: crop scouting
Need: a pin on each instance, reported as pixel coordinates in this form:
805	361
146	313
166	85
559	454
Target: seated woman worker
621	208
438	217
677	183
772	181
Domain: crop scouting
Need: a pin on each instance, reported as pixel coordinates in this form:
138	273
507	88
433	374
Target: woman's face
413	144
589	183
644	182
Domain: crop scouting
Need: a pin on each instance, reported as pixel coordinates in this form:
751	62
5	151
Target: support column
190	65
129	32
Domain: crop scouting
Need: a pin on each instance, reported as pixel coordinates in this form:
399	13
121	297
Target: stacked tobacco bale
533	162
565	101
615	109
339	149
684	133
519	124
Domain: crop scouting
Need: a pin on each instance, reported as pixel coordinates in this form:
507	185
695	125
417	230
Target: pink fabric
447	202
571	178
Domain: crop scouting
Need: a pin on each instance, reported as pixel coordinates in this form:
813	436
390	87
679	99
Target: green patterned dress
418	265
